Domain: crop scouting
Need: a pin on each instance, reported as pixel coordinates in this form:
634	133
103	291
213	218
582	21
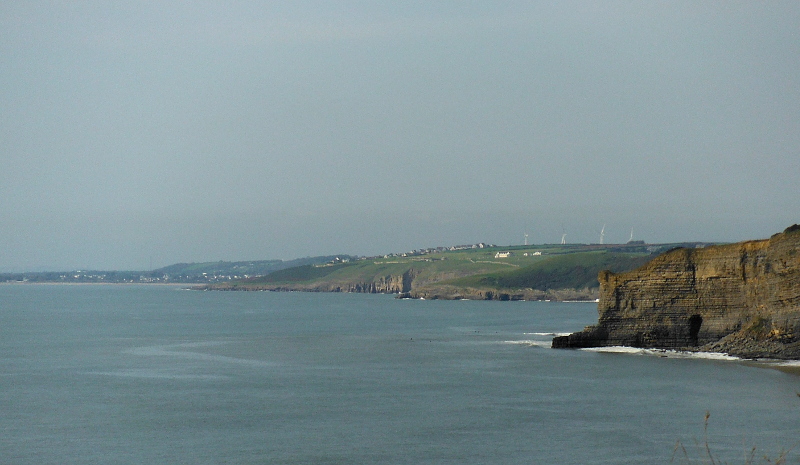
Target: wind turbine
526	238
564	238
631	238
602	233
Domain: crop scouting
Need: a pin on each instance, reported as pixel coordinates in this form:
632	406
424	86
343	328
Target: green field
565	271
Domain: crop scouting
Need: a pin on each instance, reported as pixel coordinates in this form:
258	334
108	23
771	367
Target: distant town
209	272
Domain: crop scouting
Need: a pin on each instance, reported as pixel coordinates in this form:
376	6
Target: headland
741	299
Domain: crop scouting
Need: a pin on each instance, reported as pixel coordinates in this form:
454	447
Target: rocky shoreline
559	295
447	292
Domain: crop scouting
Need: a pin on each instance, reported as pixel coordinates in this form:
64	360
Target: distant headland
474	272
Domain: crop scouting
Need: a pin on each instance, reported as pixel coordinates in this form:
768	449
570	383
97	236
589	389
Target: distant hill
535	272
225	271
194	273
474	271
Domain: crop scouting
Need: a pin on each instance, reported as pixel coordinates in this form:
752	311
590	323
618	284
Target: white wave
780	363
548	334
615	350
708	355
529	343
662	353
546	344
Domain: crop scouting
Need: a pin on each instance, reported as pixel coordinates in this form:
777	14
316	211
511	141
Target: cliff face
389	284
742	299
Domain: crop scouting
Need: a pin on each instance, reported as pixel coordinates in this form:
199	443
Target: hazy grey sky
139	132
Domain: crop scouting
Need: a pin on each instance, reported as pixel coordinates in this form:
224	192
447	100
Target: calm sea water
158	375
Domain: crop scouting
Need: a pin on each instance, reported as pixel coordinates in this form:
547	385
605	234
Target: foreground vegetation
706	456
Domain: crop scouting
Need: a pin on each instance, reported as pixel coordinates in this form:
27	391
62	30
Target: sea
149	374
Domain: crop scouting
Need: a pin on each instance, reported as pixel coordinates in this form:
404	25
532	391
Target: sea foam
662	353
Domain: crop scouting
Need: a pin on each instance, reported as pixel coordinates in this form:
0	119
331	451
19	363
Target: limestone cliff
742	299
391	284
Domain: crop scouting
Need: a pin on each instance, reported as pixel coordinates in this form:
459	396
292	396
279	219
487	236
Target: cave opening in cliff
695	322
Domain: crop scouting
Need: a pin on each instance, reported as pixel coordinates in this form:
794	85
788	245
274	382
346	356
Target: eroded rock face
389	284
742	299
392	284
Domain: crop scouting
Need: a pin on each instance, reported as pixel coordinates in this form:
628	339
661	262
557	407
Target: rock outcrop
742	299
391	284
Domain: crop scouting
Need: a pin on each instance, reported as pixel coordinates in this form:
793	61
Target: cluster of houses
434	250
508	254
116	277
430	250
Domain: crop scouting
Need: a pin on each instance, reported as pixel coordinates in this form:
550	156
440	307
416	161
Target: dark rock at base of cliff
755	344
592	336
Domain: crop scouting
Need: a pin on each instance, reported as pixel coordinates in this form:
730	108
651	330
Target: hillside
203	272
535	272
567	276
224	271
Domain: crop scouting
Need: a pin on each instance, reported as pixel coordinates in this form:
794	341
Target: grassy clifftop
574	271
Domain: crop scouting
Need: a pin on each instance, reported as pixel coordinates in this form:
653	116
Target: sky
138	134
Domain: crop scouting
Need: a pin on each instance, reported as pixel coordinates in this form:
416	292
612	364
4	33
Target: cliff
388	284
544	272
742	299
391	284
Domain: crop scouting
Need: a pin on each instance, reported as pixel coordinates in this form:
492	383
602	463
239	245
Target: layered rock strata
392	284
742	299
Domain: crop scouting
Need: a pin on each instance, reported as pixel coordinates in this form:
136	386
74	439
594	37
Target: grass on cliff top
297	274
368	271
573	271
